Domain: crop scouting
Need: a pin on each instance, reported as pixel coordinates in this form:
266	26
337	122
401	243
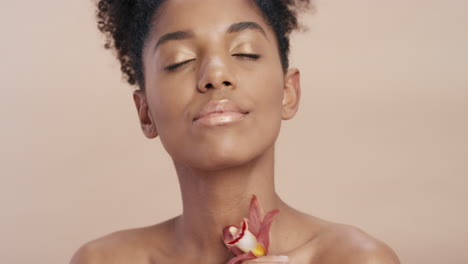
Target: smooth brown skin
219	168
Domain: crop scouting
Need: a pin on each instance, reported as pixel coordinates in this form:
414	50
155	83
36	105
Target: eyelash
246	55
177	65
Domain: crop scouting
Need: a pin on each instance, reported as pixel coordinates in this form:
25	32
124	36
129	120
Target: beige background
380	142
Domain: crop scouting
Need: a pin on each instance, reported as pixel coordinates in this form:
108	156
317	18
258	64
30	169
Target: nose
214	74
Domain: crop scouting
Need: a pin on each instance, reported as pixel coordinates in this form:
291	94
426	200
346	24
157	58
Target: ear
147	124
292	93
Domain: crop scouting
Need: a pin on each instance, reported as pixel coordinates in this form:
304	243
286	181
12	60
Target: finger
305	253
269	259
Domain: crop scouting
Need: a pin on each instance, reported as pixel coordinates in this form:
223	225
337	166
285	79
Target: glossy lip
218	109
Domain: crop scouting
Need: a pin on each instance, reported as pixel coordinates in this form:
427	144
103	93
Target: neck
215	199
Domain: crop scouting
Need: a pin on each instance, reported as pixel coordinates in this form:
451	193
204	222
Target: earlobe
292	93
147	124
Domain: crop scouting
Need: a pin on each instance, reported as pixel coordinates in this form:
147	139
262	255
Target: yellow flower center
259	250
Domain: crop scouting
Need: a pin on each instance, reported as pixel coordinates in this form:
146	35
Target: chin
224	159
224	149
222	156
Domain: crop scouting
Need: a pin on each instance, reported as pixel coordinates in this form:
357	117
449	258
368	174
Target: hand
269	260
302	255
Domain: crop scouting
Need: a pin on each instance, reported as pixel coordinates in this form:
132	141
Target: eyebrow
178	35
234	28
241	26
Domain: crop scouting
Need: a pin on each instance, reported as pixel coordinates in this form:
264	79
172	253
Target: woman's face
215	91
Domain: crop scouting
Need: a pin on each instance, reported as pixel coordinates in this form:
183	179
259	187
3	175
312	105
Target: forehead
204	16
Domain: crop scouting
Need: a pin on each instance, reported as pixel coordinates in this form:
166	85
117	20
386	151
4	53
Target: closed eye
177	65
247	55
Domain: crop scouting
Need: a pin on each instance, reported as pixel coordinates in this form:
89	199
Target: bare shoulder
112	248
126	246
348	244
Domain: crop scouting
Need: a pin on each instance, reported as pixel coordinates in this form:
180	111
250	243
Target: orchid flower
251	238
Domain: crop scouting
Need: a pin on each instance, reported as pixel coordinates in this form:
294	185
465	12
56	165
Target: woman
214	85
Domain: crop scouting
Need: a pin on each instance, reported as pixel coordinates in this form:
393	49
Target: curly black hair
126	24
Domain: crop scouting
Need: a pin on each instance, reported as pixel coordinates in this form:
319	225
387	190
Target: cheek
267	97
269	105
268	93
170	102
268	111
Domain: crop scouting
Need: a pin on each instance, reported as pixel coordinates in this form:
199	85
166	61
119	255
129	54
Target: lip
219	112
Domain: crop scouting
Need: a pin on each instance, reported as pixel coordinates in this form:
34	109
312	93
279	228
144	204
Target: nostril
210	85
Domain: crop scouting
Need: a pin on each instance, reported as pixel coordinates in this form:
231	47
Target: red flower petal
264	233
227	236
239	235
255	216
257	225
236	251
